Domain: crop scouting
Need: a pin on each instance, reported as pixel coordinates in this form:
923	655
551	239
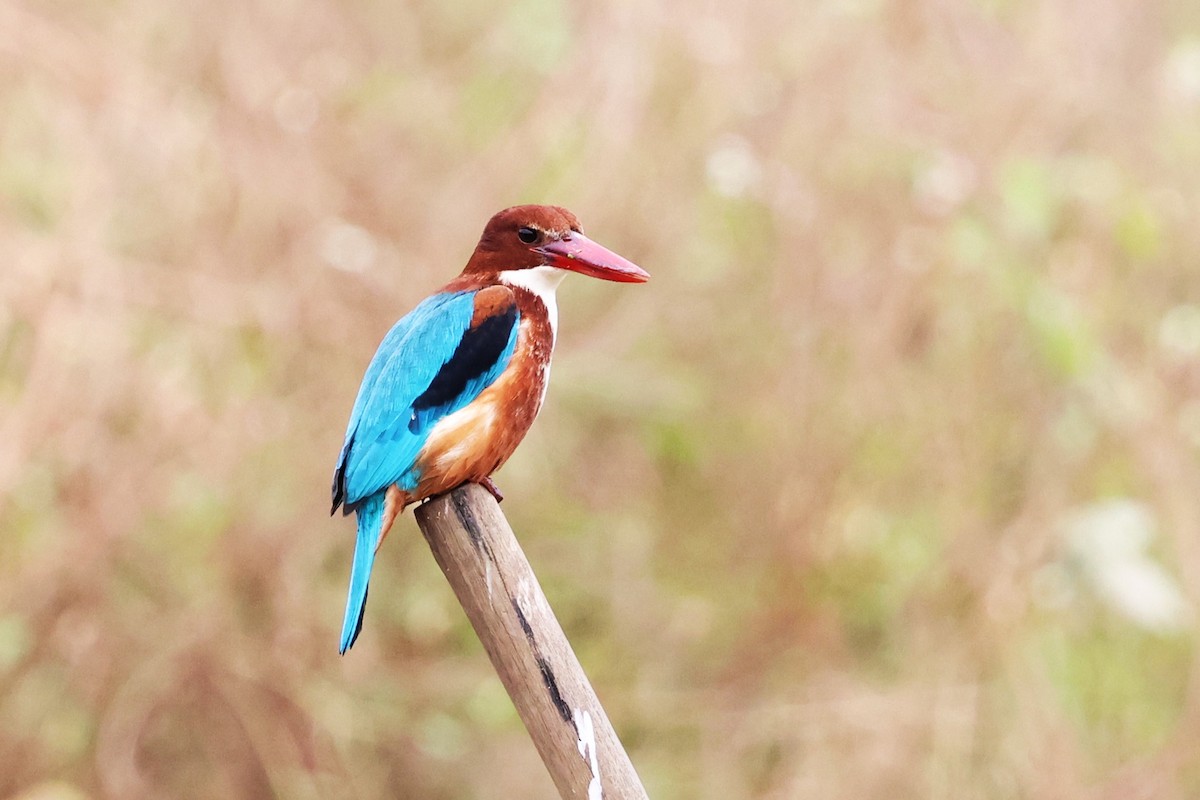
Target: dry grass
925	286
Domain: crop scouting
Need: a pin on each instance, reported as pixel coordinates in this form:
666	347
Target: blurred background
885	486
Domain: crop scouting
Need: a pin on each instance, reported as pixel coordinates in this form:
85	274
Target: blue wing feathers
407	360
431	364
393	342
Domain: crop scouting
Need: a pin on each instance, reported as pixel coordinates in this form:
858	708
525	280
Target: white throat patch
542	281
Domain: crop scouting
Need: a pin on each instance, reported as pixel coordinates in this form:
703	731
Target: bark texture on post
477	551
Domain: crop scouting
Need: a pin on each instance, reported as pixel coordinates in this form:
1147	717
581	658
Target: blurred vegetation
886	486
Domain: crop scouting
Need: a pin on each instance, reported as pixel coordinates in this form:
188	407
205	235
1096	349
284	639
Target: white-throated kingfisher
457	382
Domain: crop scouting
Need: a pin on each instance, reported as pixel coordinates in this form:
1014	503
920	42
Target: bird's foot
493	489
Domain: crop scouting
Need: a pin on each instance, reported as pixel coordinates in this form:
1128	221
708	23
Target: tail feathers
370	519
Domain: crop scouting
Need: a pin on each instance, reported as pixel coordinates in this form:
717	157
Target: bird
456	383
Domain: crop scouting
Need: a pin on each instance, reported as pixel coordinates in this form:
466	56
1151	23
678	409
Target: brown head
524	237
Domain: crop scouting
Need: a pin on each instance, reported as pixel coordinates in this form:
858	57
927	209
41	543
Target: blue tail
370	517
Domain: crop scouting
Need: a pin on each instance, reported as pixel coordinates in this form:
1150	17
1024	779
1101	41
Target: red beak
580	254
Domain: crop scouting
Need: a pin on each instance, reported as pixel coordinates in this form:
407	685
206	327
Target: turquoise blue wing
433	362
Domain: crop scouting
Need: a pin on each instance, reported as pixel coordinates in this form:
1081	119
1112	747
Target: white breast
543	282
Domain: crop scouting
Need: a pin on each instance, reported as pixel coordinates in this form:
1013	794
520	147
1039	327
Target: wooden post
477	551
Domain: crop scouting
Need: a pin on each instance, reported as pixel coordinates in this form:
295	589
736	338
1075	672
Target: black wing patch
478	352
339	477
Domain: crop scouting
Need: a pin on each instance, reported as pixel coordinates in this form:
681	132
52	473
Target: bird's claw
493	489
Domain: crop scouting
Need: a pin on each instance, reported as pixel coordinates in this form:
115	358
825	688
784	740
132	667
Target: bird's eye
527	235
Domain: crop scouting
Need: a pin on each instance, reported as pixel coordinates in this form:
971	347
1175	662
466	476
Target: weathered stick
477	551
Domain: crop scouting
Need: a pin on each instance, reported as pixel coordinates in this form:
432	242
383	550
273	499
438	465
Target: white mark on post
488	572
525	596
587	749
